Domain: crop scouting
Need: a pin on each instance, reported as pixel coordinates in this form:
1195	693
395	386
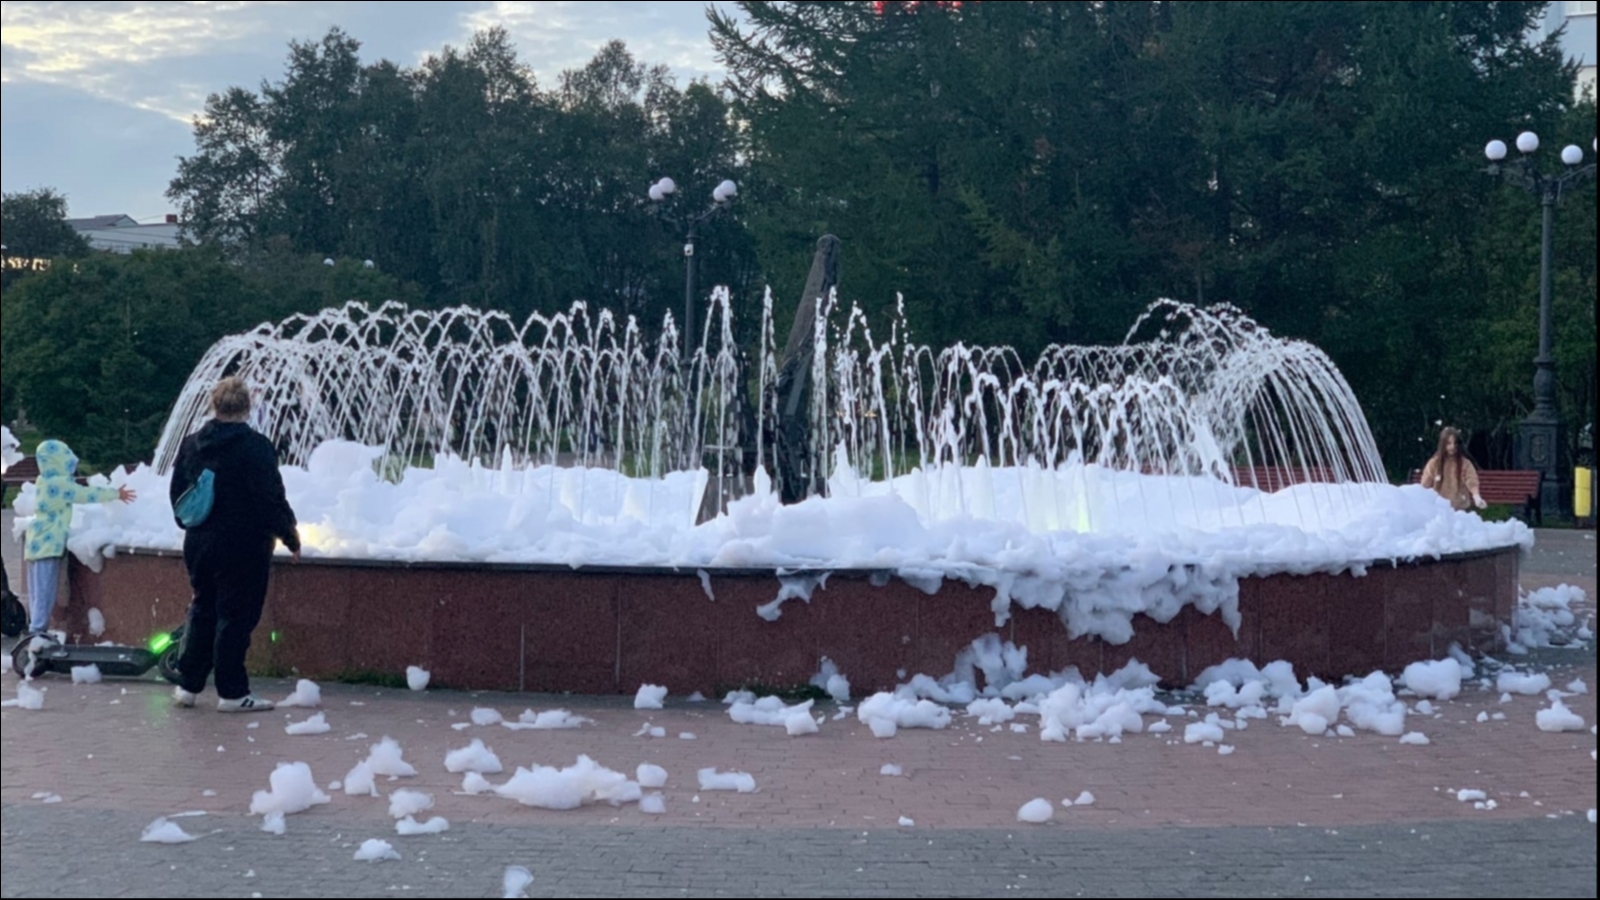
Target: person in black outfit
229	555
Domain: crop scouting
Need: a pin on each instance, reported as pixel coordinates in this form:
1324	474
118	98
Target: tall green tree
95	351
227	192
33	225
462	175
1031	172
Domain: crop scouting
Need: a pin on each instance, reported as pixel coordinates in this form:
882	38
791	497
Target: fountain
567	504
1210	401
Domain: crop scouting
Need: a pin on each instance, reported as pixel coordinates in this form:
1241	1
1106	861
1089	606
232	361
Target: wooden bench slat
1513	486
1276	478
25	470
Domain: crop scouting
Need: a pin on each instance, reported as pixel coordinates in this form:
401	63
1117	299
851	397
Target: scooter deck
120	662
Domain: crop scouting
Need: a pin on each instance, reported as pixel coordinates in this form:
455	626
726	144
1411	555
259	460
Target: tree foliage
1022	172
1033	172
33	226
464	176
94	350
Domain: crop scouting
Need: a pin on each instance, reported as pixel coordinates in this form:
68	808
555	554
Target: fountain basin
605	630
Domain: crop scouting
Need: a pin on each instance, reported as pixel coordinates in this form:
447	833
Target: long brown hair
1439	452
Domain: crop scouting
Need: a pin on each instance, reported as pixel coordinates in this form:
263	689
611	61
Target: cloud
167	57
105	156
555	36
128	78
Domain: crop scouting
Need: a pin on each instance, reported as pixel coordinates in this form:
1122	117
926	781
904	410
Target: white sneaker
183	698
247	703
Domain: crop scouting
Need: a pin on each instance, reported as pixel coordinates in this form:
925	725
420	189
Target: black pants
229	576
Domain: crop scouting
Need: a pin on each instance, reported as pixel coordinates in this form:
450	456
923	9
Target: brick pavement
1285	814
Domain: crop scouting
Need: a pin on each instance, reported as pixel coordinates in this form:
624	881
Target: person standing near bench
1451	474
229	553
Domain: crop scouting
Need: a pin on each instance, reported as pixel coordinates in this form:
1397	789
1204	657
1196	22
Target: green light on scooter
160	642
274	637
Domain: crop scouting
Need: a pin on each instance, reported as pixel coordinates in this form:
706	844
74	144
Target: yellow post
1583	493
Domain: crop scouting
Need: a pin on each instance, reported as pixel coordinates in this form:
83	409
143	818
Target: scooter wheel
26	661
167	662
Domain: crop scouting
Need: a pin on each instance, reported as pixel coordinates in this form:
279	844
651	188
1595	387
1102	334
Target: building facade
124	234
1578	40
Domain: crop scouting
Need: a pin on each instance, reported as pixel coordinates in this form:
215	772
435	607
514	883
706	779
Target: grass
793	693
372	678
1496	512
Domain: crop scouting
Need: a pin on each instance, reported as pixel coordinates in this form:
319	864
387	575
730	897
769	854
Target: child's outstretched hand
126	495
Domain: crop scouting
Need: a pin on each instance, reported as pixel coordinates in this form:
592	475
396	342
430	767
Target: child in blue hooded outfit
56	492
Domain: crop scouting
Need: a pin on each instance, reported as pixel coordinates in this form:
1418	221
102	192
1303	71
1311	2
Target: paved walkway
1284	814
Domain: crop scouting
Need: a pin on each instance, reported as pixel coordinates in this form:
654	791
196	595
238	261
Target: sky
99	97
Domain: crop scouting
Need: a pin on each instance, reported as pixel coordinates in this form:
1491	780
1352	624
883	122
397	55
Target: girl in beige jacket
1451	474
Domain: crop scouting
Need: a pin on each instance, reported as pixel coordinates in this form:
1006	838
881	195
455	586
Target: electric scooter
42	653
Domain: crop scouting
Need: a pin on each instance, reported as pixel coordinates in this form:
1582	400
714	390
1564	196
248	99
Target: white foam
1439	679
360	780
475	757
546	720
712	780
1526	683
1156	545
306	693
291	789
386	759
1036	811
316	724
515	882
584	782
409	826
375	850
1558	718
162	831
405	802
886	713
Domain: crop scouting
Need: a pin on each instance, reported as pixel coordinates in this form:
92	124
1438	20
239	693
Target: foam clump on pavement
306	693
292	789
162	831
580	784
475	757
712	780
375	850
1036	811
650	696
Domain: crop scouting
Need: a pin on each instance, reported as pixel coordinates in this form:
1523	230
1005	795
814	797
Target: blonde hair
230	400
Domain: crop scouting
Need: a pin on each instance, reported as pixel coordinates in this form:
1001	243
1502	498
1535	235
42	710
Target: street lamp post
1539	435
721	199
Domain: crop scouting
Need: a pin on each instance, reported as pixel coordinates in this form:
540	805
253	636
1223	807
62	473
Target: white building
124	234
1579	39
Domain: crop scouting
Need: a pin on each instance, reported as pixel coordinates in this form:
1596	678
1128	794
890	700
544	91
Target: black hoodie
249	501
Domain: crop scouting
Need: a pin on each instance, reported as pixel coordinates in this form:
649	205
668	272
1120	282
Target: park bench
1271	479
1518	488
25	470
